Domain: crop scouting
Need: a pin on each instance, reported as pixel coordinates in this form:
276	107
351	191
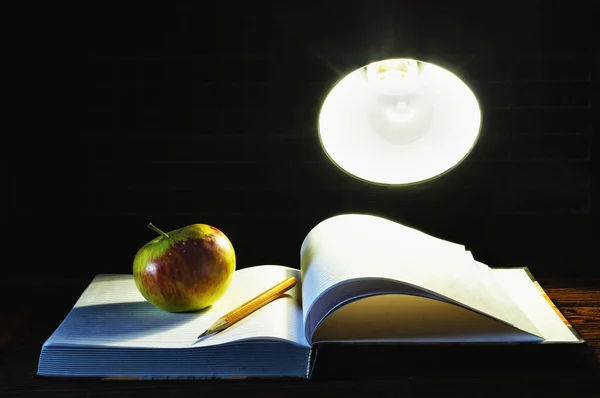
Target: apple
184	270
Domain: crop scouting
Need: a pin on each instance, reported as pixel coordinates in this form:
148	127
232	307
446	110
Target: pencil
250	306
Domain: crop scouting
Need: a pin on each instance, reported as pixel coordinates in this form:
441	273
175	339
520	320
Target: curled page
353	246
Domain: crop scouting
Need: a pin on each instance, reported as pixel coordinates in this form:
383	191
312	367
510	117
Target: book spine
308	363
311	359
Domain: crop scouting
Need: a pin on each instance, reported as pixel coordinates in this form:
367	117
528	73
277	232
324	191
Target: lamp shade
399	121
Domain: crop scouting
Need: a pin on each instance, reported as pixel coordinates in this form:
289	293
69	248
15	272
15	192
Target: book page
383	318
504	306
112	312
353	246
517	283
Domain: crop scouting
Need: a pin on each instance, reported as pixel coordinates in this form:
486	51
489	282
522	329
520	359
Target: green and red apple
185	270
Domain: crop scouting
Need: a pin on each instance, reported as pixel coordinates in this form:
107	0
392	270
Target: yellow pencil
250	306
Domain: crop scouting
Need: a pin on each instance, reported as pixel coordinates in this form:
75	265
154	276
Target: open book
363	279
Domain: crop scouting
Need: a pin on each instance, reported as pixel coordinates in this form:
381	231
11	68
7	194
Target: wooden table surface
31	310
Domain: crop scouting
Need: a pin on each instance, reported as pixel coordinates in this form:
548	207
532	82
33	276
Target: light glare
399	122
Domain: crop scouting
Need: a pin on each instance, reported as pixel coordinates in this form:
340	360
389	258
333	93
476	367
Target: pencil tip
202	335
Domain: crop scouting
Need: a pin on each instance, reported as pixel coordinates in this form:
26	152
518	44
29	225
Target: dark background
177	114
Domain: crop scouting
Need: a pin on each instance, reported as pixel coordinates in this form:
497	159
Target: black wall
207	114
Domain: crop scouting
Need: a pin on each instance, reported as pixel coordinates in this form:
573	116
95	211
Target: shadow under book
364	281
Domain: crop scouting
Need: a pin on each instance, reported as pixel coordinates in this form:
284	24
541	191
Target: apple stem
152	227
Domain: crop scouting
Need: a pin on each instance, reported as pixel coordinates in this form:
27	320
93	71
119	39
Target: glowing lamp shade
399	121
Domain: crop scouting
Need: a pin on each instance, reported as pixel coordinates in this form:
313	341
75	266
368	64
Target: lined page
112	312
362	246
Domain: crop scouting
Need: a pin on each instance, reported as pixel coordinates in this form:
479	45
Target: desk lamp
399	122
